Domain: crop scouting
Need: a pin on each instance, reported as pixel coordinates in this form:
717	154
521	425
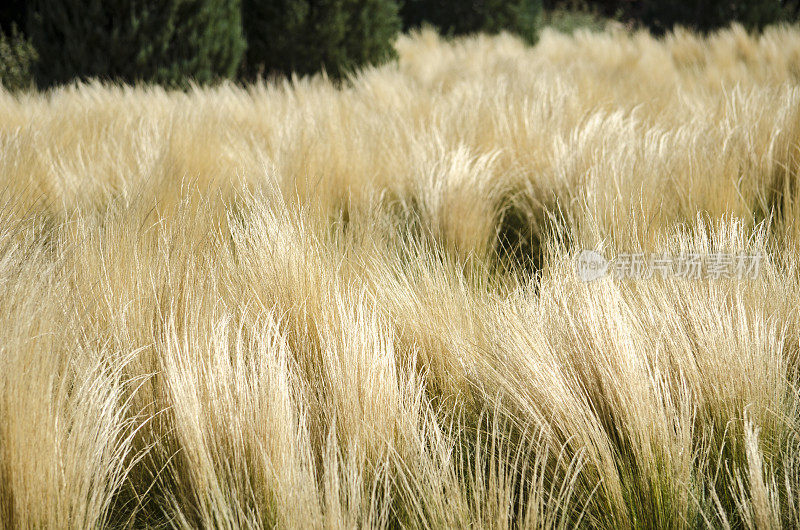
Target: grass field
308	305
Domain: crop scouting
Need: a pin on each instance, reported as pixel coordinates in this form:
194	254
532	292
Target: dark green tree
169	42
456	17
305	36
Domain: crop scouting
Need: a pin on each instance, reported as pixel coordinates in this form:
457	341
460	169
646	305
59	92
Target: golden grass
311	306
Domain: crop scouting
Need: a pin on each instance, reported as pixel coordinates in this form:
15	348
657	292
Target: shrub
160	41
570	20
456	17
17	57
707	15
303	36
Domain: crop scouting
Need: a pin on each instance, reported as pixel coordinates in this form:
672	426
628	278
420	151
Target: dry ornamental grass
310	306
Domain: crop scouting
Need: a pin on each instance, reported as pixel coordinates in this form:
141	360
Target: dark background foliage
304	36
175	42
700	15
13	13
706	15
470	16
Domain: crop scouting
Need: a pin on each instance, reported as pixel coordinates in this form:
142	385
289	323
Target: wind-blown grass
306	305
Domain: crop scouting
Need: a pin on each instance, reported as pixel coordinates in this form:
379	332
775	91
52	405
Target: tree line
174	42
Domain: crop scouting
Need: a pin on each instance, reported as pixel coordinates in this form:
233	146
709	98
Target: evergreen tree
161	41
